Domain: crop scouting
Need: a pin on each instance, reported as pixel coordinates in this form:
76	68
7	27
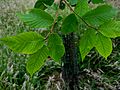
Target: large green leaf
26	43
37	18
36	60
110	29
82	7
87	42
103	45
70	24
100	15
56	47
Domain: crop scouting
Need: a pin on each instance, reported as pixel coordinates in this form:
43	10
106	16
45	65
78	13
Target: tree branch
79	16
52	28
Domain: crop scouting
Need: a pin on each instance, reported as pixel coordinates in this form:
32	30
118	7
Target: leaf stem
79	16
56	16
52	28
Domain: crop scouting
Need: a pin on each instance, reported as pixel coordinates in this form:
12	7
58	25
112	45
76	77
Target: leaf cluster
99	22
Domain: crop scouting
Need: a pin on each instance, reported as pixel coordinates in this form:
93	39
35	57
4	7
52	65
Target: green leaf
87	42
41	3
36	60
82	7
26	43
73	2
48	2
103	45
100	15
70	24
37	18
97	1
110	29
56	47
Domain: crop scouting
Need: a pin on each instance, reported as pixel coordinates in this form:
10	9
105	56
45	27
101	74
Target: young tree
63	41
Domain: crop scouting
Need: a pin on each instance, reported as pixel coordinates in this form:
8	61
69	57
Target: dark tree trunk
70	67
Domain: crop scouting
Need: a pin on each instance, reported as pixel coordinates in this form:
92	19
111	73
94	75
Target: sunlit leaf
110	29
100	15
87	42
26	43
82	7
37	60
37	18
103	45
56	47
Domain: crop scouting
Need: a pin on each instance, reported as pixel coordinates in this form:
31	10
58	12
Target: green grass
12	66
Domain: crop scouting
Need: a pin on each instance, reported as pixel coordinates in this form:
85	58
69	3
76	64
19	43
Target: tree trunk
70	67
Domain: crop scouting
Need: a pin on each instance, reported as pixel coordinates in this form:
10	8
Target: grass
13	74
12	66
96	73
